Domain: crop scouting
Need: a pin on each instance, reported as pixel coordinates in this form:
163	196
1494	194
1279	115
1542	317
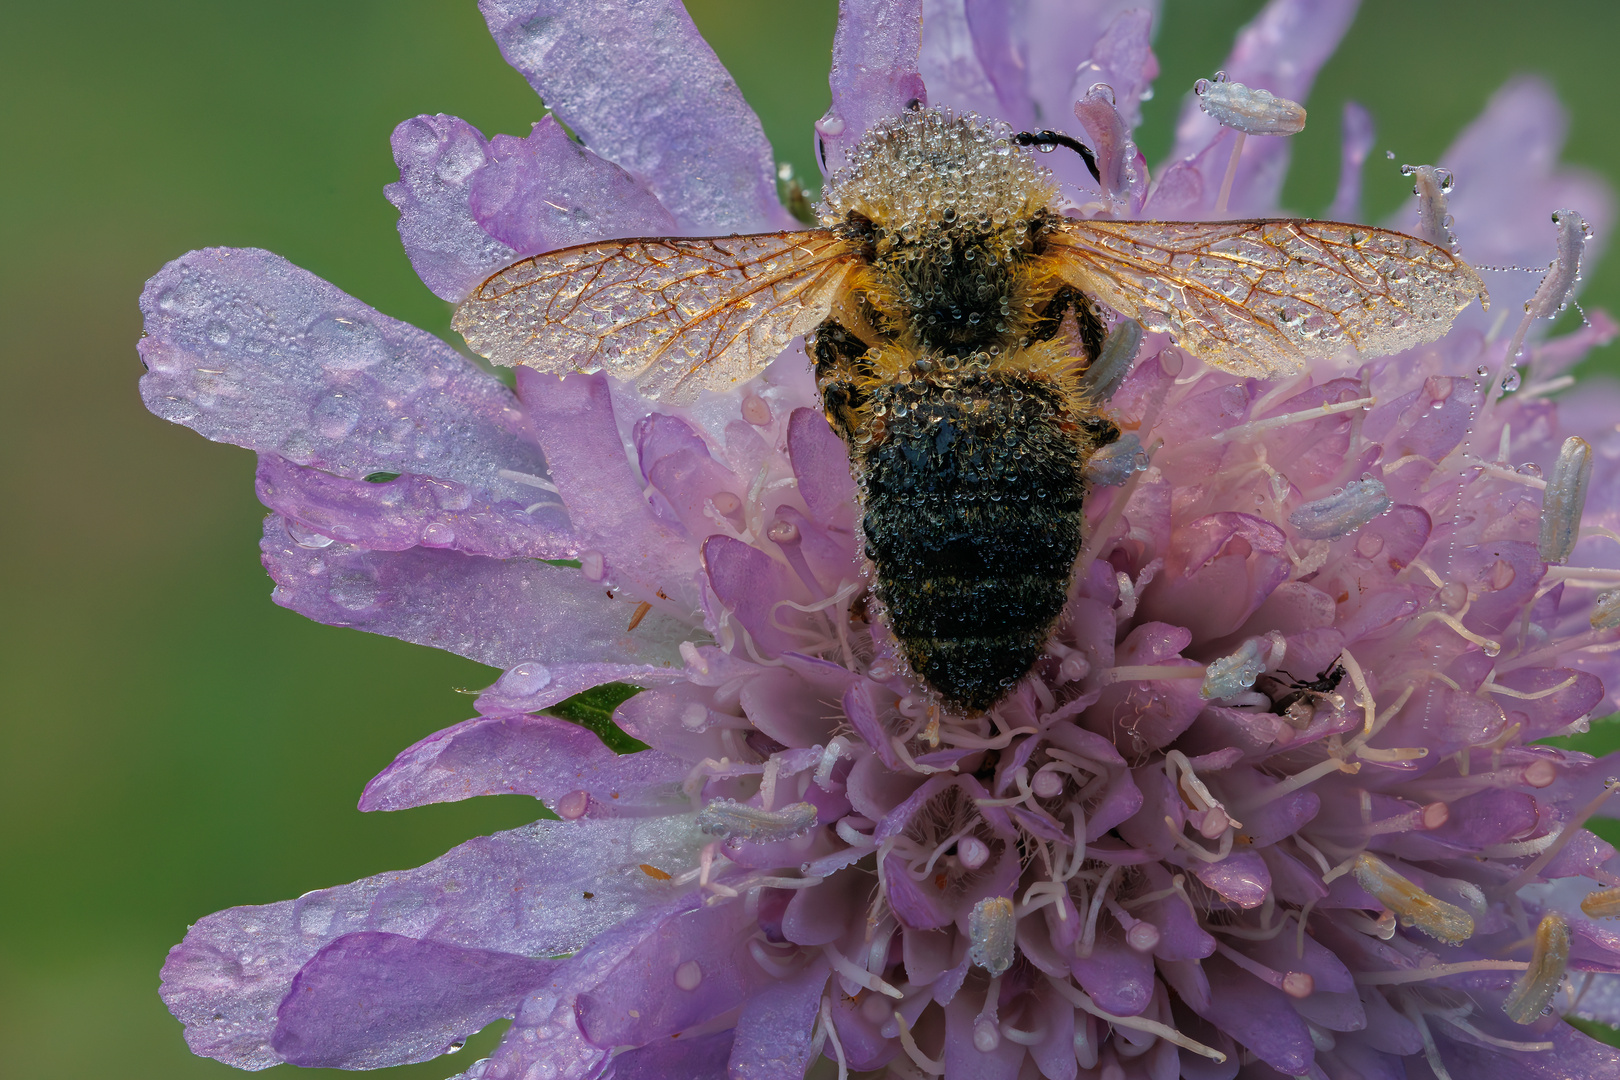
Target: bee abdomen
972	519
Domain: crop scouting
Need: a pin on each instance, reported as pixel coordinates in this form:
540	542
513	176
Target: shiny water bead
1432	186
1253	112
1414	907
1234	674
1564	499
1342	512
733	820
1534	990
992	931
909	168
1552	296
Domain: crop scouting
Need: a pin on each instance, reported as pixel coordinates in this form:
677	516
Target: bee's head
928	170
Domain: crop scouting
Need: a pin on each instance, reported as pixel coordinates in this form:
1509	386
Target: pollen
654	873
1535	989
733	820
992	930
1414	907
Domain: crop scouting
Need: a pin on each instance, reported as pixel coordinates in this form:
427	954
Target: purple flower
1271	800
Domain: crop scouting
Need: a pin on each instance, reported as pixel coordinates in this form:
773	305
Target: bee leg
1088	326
840	359
1099	429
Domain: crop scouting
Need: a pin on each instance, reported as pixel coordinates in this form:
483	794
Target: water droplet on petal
689	975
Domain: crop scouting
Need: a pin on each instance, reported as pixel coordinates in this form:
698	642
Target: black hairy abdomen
972	498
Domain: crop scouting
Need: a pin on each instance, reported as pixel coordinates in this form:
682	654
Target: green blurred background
174	743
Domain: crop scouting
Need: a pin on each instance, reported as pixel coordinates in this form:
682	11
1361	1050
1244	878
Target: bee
951	311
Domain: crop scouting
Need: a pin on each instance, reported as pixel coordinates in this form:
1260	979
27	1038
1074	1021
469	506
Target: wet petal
244	347
408	511
498	612
228	977
541	756
370	1000
642	88
438	156
874	72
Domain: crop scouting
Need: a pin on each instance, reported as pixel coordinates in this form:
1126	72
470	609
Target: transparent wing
671	315
1260	297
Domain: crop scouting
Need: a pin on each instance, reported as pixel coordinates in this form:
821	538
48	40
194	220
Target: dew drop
689	975
756	411
1510	381
572	806
525	679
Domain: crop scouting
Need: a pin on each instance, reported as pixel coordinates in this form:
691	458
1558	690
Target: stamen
1541	980
1140	934
1431	186
1245	432
1231	675
986	1030
1088	936
1342	512
1430	1050
1606	610
1552	295
1505	1044
832	1036
1440	920
1570	830
992	930
1490	647
1296	984
857	974
1602	903
1082	1000
733	820
1249	112
1564	500
1105	374
909	1044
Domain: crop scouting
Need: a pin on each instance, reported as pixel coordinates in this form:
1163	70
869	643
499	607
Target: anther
1249	112
1541	980
572	806
1113	361
1606	610
992	930
1231	675
1440	920
1602	903
733	820
1432	186
1343	512
1564	499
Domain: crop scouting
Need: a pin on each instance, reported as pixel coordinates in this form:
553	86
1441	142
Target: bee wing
671	315
1259	298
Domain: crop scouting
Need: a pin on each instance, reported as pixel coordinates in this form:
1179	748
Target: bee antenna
1057	138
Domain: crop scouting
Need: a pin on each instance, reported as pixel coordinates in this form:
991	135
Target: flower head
1269	798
